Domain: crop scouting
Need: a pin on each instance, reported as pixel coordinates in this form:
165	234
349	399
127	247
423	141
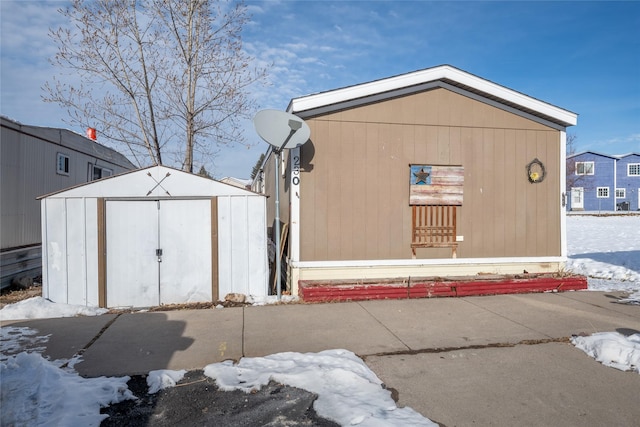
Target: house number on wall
296	170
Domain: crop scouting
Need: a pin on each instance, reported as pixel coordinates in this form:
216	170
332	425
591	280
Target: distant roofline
612	156
115	156
440	76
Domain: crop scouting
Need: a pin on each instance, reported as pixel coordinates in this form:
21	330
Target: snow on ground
36	391
349	393
612	349
163	378
605	249
270	299
39	392
41	308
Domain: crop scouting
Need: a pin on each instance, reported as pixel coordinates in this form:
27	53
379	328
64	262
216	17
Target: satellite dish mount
282	131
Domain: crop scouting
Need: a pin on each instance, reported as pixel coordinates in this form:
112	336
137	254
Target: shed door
185	239
133	270
158	252
577	198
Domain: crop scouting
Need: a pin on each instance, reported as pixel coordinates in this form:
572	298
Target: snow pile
271	299
163	378
349	393
633	298
605	248
41	308
37	392
612	349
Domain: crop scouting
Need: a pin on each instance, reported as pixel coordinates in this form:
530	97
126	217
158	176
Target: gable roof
595	153
445	76
622	156
611	156
152	183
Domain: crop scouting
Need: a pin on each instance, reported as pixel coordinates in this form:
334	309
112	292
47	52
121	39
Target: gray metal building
36	161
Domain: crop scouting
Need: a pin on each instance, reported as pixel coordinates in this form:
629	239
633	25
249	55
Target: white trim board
425	262
333	100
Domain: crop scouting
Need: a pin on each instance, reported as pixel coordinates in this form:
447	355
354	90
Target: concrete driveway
495	360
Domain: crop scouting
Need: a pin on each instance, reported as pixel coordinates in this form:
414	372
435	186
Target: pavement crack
385	327
504	317
93	340
468	347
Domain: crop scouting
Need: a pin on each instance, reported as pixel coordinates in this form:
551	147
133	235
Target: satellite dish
281	129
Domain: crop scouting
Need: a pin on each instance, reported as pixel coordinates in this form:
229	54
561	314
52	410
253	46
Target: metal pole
277	221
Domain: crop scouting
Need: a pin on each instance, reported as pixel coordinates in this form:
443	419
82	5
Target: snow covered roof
445	76
152	182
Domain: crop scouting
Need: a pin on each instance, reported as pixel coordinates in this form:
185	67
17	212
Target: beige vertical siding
355	187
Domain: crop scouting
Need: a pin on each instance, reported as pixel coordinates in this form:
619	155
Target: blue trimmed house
628	181
602	182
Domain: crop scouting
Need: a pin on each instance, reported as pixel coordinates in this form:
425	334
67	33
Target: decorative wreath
536	172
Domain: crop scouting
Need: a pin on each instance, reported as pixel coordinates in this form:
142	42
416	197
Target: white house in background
35	161
150	237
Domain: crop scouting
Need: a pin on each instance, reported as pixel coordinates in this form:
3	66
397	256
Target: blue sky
581	56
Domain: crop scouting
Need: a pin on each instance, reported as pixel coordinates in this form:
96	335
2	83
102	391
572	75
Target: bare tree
158	77
572	178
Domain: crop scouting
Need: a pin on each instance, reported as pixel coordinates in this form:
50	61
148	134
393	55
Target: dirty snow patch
163	378
349	393
612	349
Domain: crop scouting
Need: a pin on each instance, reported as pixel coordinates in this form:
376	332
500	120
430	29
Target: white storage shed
150	237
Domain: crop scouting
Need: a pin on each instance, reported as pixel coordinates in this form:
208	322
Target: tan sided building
435	173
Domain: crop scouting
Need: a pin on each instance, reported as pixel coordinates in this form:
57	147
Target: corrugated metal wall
355	189
28	168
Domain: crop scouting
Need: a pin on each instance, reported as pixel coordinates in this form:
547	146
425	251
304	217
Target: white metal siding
56	285
257	242
91	250
75	260
135	228
242	245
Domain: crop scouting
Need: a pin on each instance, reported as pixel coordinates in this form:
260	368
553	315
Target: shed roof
445	76
152	182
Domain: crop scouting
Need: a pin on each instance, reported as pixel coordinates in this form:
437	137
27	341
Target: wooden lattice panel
434	227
